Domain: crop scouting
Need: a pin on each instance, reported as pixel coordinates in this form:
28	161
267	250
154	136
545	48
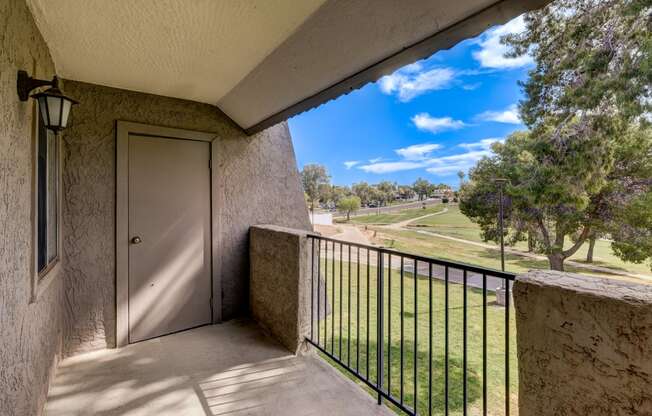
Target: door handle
136	240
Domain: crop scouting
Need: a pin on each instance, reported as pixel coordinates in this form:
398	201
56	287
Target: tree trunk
530	242
556	261
348	215
589	253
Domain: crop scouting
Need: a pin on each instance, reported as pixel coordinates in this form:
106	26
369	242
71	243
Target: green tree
461	175
593	67
338	193
422	187
313	177
584	167
348	205
375	196
633	236
363	191
324	193
387	192
557	193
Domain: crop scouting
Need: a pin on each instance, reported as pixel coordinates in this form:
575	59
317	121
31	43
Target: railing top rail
441	262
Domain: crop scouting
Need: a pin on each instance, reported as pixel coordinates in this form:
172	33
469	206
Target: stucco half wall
257	183
584	345
280	283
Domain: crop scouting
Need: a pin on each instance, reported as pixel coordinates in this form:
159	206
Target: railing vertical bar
368	300
357	314
318	290
333	305
507	296
348	330
325	294
415	275
429	339
464	344
341	290
379	325
446	389
402	335
389	323
312	286
484	344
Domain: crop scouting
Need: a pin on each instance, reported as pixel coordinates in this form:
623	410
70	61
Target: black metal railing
414	367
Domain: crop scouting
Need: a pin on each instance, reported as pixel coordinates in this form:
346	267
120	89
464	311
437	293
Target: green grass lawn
354	341
394	217
426	245
455	224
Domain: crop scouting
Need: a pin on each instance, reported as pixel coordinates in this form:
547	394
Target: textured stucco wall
258	183
30	332
584	345
280	283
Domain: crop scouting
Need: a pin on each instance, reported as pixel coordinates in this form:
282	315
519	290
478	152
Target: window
47	198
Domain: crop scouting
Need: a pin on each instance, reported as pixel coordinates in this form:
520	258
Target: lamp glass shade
55	110
65	112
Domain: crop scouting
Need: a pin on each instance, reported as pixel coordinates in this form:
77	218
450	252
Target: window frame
41	279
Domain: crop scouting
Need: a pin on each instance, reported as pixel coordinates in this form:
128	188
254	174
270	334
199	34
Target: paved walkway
352	234
402	224
228	369
391	208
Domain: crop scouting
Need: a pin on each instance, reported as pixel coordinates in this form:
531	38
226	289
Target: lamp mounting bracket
25	84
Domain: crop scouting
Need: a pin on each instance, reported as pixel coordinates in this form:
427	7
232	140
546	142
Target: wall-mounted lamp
53	105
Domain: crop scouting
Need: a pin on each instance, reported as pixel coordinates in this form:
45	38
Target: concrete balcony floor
228	369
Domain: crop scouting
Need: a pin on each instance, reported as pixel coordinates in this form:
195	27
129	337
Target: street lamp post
501	187
500	294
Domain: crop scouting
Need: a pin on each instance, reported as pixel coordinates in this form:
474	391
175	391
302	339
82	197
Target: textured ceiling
257	60
192	49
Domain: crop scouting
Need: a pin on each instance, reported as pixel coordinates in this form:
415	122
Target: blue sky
429	119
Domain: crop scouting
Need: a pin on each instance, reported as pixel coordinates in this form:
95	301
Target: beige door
170	237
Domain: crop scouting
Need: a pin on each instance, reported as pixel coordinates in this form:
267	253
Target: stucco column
279	283
584	345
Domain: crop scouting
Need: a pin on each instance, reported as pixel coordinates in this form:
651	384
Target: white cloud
453	163
437	165
426	122
471	87
482	144
375	160
509	116
410	81
417	151
449	168
351	163
412	68
388	167
492	51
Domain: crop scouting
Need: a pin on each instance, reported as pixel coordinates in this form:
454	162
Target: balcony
430	352
373	337
430	337
426	337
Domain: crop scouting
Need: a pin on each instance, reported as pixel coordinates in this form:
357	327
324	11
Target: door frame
123	130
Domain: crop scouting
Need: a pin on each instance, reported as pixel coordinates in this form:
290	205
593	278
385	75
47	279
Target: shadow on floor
226	369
